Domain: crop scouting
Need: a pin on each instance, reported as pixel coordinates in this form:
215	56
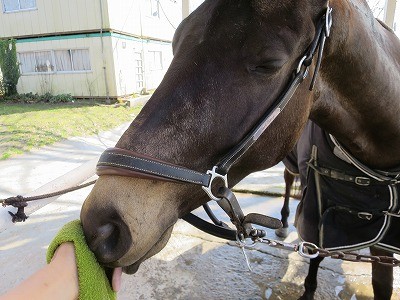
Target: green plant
1	86
35	98
24	127
45	97
62	98
9	66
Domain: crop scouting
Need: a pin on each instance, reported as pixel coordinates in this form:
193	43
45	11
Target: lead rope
21	202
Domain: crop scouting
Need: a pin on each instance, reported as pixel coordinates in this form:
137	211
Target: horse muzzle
108	237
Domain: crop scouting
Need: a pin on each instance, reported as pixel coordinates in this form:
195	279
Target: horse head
232	60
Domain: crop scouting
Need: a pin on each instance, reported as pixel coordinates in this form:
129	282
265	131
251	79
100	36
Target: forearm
58	280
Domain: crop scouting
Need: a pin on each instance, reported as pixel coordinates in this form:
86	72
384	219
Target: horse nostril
103	233
110	242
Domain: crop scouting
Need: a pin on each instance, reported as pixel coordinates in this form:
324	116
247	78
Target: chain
310	250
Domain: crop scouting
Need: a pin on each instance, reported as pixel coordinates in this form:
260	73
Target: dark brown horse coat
345	204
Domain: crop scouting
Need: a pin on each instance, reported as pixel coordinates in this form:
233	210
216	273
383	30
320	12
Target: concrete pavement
193	265
64	164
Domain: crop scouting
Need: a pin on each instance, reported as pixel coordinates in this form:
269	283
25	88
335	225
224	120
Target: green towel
93	282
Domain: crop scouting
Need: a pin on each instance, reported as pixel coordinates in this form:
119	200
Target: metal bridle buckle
304	250
365	216
363	181
214	175
301	64
328	21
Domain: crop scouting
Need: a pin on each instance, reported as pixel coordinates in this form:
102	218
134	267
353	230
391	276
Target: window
36	62
71	60
155	60
17	5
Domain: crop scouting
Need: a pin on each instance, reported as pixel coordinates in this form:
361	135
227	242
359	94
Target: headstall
123	162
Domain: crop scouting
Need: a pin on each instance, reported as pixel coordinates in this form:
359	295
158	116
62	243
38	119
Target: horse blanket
345	205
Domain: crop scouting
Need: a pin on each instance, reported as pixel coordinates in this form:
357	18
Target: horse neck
357	98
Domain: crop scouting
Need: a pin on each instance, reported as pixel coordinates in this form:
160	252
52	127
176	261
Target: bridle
121	162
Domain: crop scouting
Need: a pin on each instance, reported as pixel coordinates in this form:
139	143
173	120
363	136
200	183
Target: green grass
27	126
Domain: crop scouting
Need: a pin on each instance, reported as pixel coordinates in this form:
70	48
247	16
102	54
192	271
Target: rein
122	162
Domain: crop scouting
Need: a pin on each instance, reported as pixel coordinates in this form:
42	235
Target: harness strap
362	214
339	175
216	230
244	223
376	175
236	153
116	161
212	216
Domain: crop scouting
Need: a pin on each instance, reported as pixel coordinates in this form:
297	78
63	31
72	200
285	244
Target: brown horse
232	59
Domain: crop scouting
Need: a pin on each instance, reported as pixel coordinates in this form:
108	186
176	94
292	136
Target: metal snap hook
305	248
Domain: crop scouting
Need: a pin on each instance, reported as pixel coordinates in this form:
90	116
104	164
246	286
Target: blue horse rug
345	205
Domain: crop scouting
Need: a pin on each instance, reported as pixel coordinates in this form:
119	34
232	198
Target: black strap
378	176
218	231
134	162
263	220
243	222
229	160
212	216
339	175
114	157
361	214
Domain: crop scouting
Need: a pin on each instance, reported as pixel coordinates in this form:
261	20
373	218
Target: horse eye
266	68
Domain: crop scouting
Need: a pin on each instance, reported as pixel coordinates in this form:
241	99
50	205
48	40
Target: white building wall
396	26
120	56
148	18
131	28
53	16
83	83
154	70
126	52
